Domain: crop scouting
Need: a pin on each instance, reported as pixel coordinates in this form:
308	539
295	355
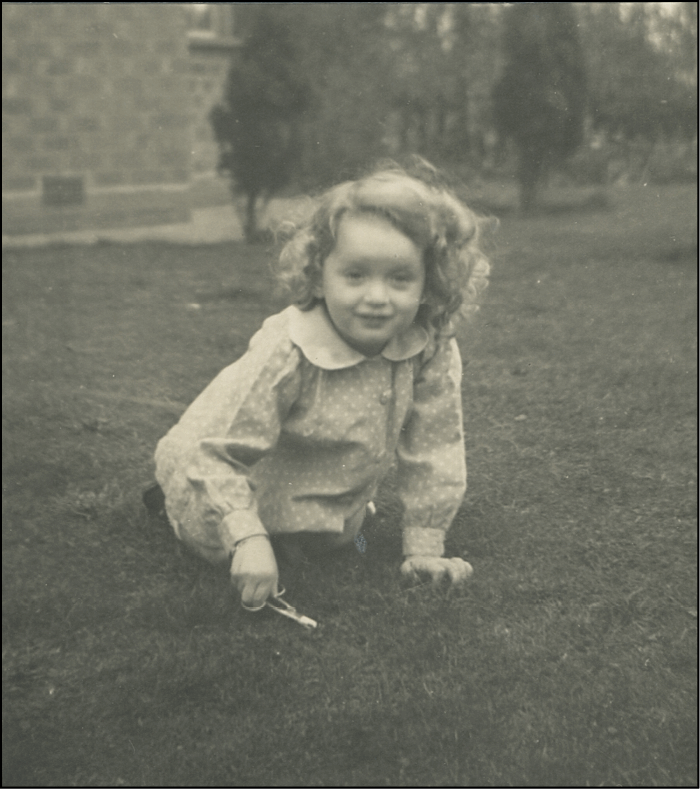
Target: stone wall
99	94
208	70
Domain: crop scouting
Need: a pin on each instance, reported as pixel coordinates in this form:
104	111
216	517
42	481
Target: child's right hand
254	571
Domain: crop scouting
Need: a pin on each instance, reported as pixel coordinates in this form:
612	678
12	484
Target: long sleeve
203	464
432	473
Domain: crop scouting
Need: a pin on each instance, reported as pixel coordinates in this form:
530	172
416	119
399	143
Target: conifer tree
256	125
539	101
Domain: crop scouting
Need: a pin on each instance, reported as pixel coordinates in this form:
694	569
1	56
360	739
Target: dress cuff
239	525
423	542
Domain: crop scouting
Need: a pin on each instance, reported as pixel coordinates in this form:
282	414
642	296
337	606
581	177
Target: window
62	190
210	24
201	22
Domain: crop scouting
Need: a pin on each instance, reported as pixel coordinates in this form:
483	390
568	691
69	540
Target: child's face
372	282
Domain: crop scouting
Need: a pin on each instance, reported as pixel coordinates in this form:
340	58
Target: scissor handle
253	608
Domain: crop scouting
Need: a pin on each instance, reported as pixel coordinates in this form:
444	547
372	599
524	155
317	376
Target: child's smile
372	282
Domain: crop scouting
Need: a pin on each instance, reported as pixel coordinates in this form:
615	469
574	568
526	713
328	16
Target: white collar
313	331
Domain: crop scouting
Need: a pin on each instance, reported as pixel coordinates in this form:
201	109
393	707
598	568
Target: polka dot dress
296	435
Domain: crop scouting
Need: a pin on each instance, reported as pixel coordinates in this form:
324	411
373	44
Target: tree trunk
528	197
529	174
250	228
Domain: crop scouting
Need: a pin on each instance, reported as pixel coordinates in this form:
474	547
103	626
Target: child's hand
437	568
254	571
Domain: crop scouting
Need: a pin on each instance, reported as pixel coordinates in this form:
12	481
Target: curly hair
419	204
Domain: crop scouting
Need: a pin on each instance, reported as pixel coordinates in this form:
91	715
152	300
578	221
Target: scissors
282	607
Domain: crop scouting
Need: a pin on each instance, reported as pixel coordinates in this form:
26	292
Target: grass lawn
569	659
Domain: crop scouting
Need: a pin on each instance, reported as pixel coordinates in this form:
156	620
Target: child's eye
353	276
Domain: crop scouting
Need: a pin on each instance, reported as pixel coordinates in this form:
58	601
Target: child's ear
317	289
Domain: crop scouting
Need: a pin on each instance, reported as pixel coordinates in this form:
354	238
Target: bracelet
243	539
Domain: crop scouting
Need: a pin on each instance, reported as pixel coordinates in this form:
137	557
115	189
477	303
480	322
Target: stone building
105	111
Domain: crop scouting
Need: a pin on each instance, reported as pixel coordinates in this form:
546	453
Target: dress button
384	397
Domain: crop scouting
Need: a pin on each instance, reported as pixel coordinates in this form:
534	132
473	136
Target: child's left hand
437	568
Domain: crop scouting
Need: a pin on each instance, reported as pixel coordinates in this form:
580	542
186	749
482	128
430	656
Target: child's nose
376	292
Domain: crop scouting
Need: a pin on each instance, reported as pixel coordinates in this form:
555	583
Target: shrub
257	123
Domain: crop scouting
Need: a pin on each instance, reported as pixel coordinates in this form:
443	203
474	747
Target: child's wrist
238	525
421	541
249	537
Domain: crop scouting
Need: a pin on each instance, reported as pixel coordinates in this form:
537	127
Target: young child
361	373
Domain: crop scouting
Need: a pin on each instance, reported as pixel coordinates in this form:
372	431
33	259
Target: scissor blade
291	613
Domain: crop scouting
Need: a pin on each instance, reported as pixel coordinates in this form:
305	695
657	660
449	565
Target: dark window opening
63	190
